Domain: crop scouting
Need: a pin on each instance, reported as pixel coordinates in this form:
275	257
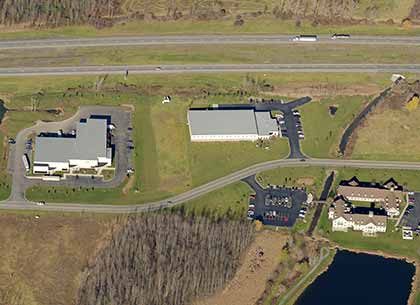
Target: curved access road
210	68
208	187
198	40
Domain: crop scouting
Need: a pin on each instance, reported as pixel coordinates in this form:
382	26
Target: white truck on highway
305	38
25	160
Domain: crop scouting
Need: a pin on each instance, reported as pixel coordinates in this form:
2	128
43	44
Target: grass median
211	54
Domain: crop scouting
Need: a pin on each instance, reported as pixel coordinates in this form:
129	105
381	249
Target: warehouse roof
265	123
222	122
88	144
231	121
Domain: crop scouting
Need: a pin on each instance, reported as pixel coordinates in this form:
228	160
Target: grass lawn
390	242
166	162
231	200
322	130
408	178
310	177
389	135
199	54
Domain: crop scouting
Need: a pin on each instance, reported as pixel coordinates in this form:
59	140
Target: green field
209	54
322	130
310	177
230	201
390	134
166	162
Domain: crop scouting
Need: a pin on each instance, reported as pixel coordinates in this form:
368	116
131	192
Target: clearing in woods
249	282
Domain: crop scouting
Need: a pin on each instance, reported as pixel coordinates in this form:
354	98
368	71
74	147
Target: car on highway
40	203
340	36
305	38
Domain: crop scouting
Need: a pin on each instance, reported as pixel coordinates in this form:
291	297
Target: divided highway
208	187
198	39
210	68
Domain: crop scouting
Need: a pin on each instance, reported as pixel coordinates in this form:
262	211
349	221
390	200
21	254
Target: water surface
361	279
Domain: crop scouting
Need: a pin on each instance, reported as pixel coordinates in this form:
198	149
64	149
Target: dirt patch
44	255
250	280
129	184
305	181
322	90
129	106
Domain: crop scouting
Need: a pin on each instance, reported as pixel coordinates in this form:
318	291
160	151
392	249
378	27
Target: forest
165	258
101	13
55	12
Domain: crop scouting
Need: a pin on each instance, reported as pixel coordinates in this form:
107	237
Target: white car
40	203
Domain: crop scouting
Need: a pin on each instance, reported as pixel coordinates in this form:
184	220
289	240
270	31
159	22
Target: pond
361	279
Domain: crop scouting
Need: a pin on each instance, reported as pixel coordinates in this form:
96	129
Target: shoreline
415	286
323	269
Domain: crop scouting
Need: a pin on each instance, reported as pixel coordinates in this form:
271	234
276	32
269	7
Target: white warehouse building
231	125
87	149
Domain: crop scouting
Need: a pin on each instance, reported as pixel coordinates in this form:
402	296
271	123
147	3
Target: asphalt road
208	187
210	68
199	39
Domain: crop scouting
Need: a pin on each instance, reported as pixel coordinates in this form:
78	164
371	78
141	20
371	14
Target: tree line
165	258
55	12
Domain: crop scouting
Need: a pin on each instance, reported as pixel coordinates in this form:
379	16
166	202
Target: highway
210	68
198	40
208	187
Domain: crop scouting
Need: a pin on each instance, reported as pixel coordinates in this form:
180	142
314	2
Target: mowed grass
165	160
390	242
209	54
408	178
323	131
231	201
312	178
389	135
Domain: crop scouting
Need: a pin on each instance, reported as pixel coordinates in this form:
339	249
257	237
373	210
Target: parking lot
411	217
276	206
120	141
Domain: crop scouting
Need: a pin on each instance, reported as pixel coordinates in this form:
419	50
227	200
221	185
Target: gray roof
89	144
265	123
222	122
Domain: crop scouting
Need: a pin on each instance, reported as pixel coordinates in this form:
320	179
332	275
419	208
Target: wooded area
102	13
55	12
165	259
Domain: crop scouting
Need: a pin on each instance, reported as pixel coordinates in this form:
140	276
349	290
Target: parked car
251	206
251	213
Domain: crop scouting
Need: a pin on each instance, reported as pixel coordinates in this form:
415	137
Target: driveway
120	117
289	118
